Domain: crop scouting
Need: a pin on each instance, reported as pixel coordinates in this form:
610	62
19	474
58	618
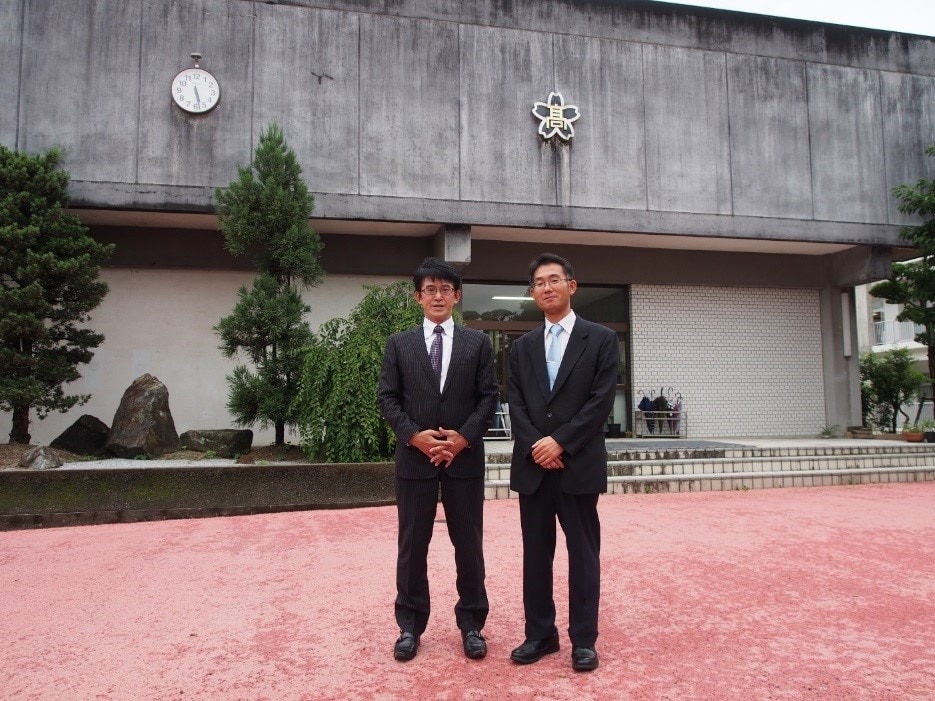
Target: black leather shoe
475	647
535	650
406	646
584	659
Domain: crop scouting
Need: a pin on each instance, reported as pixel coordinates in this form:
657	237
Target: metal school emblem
555	117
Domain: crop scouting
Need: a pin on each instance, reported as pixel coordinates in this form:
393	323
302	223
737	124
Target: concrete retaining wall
85	496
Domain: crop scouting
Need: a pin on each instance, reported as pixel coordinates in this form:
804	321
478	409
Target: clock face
195	90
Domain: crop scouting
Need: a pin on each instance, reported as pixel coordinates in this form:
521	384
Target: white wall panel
160	322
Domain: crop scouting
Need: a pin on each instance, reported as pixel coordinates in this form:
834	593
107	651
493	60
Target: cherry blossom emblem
555	117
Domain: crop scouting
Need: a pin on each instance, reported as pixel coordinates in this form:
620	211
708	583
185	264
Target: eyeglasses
539	285
431	290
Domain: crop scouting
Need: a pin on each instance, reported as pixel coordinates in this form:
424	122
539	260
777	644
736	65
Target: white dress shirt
567	324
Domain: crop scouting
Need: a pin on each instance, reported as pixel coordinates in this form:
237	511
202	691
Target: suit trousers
577	514
416	504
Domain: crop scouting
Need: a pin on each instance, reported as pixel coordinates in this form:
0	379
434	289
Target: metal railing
887	333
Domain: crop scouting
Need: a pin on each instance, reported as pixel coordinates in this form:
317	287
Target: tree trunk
280	432
20	430
931	359
919	410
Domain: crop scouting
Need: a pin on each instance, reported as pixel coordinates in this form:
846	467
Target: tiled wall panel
747	361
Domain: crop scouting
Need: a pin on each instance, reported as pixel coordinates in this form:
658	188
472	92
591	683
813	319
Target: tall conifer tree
265	213
49	268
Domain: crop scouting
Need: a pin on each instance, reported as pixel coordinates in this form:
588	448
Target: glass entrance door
506	312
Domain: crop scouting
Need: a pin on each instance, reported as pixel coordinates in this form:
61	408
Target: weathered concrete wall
309	80
769	139
693	121
398	159
605	79
80	86
908	128
175	149
501	160
687	128
844	106
11	41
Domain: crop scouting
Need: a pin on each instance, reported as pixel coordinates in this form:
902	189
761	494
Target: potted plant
927	426
914	433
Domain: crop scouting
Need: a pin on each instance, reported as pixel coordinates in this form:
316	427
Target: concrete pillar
453	244
841	352
840	357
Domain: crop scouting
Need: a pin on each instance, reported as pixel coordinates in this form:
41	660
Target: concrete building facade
726	187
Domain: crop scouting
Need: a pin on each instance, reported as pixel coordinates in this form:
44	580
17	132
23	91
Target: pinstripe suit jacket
410	400
574	412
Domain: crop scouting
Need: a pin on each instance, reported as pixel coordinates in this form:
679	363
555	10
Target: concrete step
691	470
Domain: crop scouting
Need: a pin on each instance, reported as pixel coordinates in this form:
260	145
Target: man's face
552	291
437	299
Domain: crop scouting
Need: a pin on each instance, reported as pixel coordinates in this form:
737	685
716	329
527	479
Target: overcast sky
912	16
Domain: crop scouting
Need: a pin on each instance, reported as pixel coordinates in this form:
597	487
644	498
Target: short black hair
436	269
545	259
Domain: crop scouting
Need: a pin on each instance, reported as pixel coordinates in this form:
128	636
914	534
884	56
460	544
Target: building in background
878	331
720	180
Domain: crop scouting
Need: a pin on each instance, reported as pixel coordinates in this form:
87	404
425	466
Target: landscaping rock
87	436
40	458
143	424
223	442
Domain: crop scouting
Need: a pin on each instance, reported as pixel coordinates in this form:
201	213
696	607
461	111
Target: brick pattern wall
747	361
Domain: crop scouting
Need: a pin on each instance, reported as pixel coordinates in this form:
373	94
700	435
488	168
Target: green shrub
336	403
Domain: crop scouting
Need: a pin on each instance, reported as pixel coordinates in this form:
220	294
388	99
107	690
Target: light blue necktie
554	357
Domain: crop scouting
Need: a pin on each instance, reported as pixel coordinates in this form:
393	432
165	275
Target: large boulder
87	436
223	442
143	424
40	458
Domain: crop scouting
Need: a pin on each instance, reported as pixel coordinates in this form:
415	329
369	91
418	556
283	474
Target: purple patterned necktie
435	354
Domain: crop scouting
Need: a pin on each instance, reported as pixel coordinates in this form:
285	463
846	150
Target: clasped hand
547	453
441	446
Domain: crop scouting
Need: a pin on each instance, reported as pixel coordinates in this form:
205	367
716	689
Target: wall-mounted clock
196	90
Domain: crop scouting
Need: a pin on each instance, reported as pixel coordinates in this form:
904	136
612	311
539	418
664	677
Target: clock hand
196	93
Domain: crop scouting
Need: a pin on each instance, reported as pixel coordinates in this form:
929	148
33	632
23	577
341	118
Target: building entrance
505	312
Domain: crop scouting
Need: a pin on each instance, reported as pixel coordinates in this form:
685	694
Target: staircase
671	468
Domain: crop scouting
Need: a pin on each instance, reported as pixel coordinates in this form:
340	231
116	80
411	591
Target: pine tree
49	268
265	213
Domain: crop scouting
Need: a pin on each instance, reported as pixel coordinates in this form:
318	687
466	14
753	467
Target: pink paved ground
772	594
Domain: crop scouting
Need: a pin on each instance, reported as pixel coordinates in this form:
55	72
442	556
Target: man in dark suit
438	391
562	379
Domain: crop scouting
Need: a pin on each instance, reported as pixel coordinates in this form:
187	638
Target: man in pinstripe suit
438	391
561	385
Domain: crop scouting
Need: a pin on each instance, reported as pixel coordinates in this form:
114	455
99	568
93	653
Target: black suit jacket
574	412
410	400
